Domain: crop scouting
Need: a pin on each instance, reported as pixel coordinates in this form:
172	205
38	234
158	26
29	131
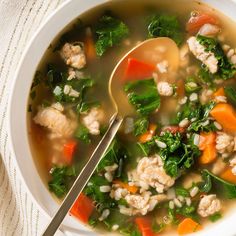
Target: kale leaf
191	86
215	217
228	189
165	26
226	69
116	154
109	31
143	95
103	200
78	85
180	153
56	82
110	157
181	191
62	178
230	93
82	133
206	185
205	76
141	126
199	114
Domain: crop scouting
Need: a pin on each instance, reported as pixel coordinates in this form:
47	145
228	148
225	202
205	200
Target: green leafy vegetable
191	85
179	153
215	217
227	188
116	218
165	26
141	126
230	93
226	69
62	178
202	123
158	228
78	85
182	191
110	157
199	114
58	83
82	133
206	185
86	106
93	221
145	148
110	31
54	76
143	96
116	154
103	200
188	211
205	77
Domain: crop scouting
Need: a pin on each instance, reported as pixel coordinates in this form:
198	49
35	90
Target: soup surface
172	166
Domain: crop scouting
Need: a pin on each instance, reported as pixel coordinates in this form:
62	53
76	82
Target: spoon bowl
151	51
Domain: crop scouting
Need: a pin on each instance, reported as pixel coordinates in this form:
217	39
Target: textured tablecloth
19	19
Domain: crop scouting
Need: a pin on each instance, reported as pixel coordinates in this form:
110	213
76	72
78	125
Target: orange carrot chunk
196	22
225	115
147	136
188	226
90	50
207	145
228	176
145	226
138	70
219	92
206	139
82	208
132	189
68	151
209	154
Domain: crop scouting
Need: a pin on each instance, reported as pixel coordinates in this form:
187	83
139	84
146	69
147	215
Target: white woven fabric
19	19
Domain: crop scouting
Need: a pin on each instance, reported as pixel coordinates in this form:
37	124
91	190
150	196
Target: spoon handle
83	177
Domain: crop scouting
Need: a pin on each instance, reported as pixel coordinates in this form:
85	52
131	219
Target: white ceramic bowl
18	105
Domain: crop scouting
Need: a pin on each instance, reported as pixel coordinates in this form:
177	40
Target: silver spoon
150	51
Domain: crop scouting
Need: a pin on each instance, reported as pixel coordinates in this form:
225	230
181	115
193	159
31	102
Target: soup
171	168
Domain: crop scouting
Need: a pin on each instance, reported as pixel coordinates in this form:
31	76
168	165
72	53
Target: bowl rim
12	94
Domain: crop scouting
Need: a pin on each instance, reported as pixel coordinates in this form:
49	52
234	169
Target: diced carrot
206	139
188	226
89	45
174	129
196	22
143	138
219	92
152	128
207	145
209	154
145	226
82	208
229	176
138	70
132	189
68	151
180	88
225	115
